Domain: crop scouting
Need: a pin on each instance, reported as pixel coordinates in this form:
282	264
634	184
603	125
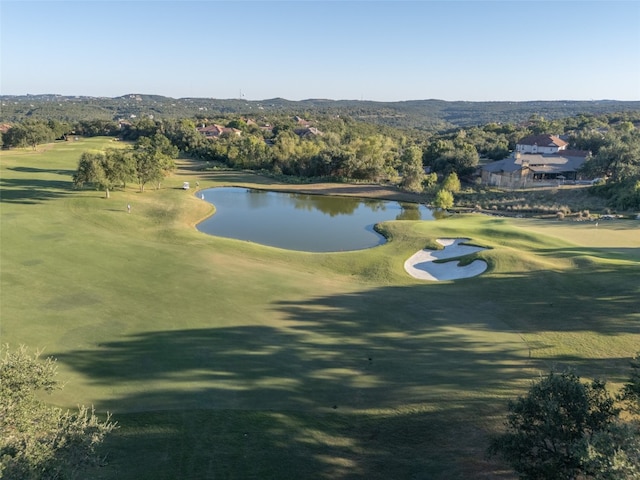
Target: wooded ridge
430	115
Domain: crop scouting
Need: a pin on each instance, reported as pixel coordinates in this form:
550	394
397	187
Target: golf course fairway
221	358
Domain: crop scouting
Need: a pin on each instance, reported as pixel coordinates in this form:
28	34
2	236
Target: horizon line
313	98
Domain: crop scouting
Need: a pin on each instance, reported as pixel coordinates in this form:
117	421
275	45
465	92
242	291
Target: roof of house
543	141
506	165
575	153
217	130
308	131
538	163
301	121
214	129
554	163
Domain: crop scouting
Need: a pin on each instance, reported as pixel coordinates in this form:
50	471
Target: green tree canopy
451	183
566	429
38	441
370	157
154	159
104	170
29	134
413	174
631	390
443	200
92	169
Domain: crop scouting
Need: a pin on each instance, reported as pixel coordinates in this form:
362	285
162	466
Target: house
308	132
537	159
211	130
301	121
215	131
541	144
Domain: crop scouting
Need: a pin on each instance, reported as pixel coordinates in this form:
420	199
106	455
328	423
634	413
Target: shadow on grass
65	172
264	367
310	401
32	190
394	382
588	298
605	253
280	445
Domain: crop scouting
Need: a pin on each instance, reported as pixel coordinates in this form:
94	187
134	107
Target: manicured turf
225	359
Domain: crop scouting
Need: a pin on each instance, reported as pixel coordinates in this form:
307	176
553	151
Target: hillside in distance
428	115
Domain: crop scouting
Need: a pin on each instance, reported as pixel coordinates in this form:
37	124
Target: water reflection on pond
312	223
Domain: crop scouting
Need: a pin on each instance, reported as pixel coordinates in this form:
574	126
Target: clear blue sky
372	50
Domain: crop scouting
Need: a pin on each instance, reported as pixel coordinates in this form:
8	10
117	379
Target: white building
541	144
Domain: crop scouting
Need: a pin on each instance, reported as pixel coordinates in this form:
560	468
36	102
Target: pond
294	221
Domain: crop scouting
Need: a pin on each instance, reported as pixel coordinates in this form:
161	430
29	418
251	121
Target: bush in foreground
566	429
38	441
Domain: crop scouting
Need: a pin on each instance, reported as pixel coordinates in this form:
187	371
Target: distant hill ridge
431	114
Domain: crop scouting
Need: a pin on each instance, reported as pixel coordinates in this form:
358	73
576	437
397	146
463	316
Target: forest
424	115
323	141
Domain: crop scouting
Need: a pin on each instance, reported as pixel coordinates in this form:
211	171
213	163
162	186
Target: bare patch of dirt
381	192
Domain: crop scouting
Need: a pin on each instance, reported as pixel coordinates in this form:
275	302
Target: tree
29	134
38	441
370	157
443	200
141	127
430	180
92	169
104	170
153	159
93	128
59	129
631	390
451	183
446	155
121	165
183	134
617	160
412	170
566	429
437	149
617	156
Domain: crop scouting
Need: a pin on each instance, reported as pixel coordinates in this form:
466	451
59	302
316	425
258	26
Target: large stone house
537	160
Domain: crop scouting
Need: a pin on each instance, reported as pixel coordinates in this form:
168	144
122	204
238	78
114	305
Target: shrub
38	440
443	200
451	183
566	429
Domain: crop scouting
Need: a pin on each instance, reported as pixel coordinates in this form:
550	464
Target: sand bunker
421	265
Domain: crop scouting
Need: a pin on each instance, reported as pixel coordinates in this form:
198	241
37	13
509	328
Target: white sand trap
421	265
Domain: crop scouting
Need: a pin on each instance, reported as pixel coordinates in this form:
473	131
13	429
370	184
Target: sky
503	50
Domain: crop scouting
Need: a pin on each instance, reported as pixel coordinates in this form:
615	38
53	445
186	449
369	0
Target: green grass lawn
226	359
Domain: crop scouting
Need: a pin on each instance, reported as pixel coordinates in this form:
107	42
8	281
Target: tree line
150	160
343	149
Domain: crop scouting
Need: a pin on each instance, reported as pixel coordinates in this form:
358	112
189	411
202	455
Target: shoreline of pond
301	221
371	191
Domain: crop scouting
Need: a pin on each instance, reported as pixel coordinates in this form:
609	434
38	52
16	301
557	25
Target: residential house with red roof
215	131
